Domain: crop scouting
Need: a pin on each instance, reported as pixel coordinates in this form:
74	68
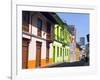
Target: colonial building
73	44
37	39
61	48
46	39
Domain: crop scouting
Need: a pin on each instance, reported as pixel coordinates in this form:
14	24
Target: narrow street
65	64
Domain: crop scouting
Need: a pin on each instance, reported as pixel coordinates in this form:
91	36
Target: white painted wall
32	49
34	24
32	45
26	36
51	51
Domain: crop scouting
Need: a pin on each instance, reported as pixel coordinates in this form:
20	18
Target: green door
53	53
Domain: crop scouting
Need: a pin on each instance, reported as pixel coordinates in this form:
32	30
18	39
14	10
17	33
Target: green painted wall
60	53
61	50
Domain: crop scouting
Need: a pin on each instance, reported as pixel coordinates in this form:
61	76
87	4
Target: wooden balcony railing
39	33
49	37
25	28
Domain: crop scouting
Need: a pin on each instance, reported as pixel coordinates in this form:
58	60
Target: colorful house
73	44
61	43
78	52
37	39
45	39
61	49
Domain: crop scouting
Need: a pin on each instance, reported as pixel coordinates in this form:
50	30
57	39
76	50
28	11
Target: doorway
47	52
25	45
38	53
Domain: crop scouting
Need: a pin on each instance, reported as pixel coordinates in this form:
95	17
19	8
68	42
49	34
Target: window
65	52
60	51
57	32
53	53
25	21
39	25
48	36
61	34
57	51
48	27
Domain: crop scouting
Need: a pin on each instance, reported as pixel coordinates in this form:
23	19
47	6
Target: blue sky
80	20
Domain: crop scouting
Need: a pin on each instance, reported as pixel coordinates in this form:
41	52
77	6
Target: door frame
38	43
27	40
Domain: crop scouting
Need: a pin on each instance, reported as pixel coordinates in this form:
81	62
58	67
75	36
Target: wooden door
53	53
38	54
25	43
47	52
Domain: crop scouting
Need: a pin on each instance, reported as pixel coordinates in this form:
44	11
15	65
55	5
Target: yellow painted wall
77	54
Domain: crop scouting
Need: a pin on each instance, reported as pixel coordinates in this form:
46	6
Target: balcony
25	21
49	37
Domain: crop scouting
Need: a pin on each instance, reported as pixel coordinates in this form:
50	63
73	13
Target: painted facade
39	45
73	44
61	49
78	52
46	40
